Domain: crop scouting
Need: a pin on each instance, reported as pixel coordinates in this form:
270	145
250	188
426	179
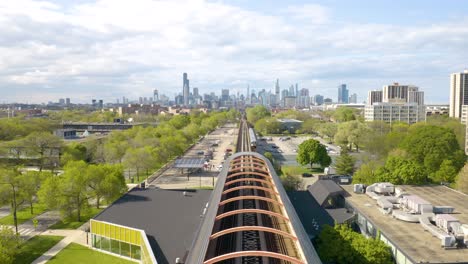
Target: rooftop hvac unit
447	223
358	188
384	187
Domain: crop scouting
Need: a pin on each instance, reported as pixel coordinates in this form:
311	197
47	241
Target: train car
253	139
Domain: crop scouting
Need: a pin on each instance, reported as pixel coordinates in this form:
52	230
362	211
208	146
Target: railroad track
248	240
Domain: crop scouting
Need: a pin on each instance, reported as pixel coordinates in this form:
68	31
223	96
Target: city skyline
110	49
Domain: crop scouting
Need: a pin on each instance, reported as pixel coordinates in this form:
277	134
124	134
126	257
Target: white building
458	93
407	113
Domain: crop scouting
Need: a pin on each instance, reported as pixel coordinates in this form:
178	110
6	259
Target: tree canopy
342	245
312	152
345	163
256	113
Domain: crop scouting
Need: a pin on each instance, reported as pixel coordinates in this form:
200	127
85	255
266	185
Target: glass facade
120	240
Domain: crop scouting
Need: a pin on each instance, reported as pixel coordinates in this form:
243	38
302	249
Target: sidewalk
76	236
45	220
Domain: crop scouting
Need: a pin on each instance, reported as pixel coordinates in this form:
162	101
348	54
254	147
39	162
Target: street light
15	219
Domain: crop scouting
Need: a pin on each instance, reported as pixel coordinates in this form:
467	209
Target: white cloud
112	47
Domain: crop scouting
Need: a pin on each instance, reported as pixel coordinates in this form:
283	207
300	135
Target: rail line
250	220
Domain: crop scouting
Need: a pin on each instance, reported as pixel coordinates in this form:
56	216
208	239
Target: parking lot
217	141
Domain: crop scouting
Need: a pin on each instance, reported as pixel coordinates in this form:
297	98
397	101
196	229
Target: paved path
76	236
4	211
45	220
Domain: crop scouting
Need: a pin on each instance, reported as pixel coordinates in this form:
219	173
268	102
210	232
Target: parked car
307	175
200	152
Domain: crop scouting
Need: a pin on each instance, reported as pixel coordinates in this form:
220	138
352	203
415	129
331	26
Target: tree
10	185
9	243
15	148
367	173
267	125
115	147
139	159
291	182
312	152
446	173
430	145
256	113
341	245
399	169
73	152
68	192
462	179
43	144
30	183
310	126
106	181
352	133
345	163
344	114
328	129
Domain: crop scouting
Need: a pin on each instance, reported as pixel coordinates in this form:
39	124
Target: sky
106	49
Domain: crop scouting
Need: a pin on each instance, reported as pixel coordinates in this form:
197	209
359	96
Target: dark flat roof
189	163
312	215
322	189
169	219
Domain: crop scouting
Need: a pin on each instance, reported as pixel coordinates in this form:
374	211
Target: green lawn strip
23	215
299	170
34	248
73	224
78	254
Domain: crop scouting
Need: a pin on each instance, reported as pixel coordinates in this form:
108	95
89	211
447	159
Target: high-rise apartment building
397	93
343	94
374	97
458	93
186	89
409	113
396	103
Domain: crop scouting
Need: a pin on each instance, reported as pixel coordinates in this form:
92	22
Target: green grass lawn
72	223
23	215
299	170
34	248
78	254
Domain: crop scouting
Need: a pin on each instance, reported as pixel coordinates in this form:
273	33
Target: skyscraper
343	94
186	89
353	98
277	92
458	93
155	95
247	98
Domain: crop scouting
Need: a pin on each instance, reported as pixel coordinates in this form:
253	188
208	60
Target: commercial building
353	99
343	94
458	93
390	113
421	224
150	225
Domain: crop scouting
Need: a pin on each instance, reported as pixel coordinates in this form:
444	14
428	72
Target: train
253	139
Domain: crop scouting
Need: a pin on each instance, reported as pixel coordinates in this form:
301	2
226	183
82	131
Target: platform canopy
189	163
